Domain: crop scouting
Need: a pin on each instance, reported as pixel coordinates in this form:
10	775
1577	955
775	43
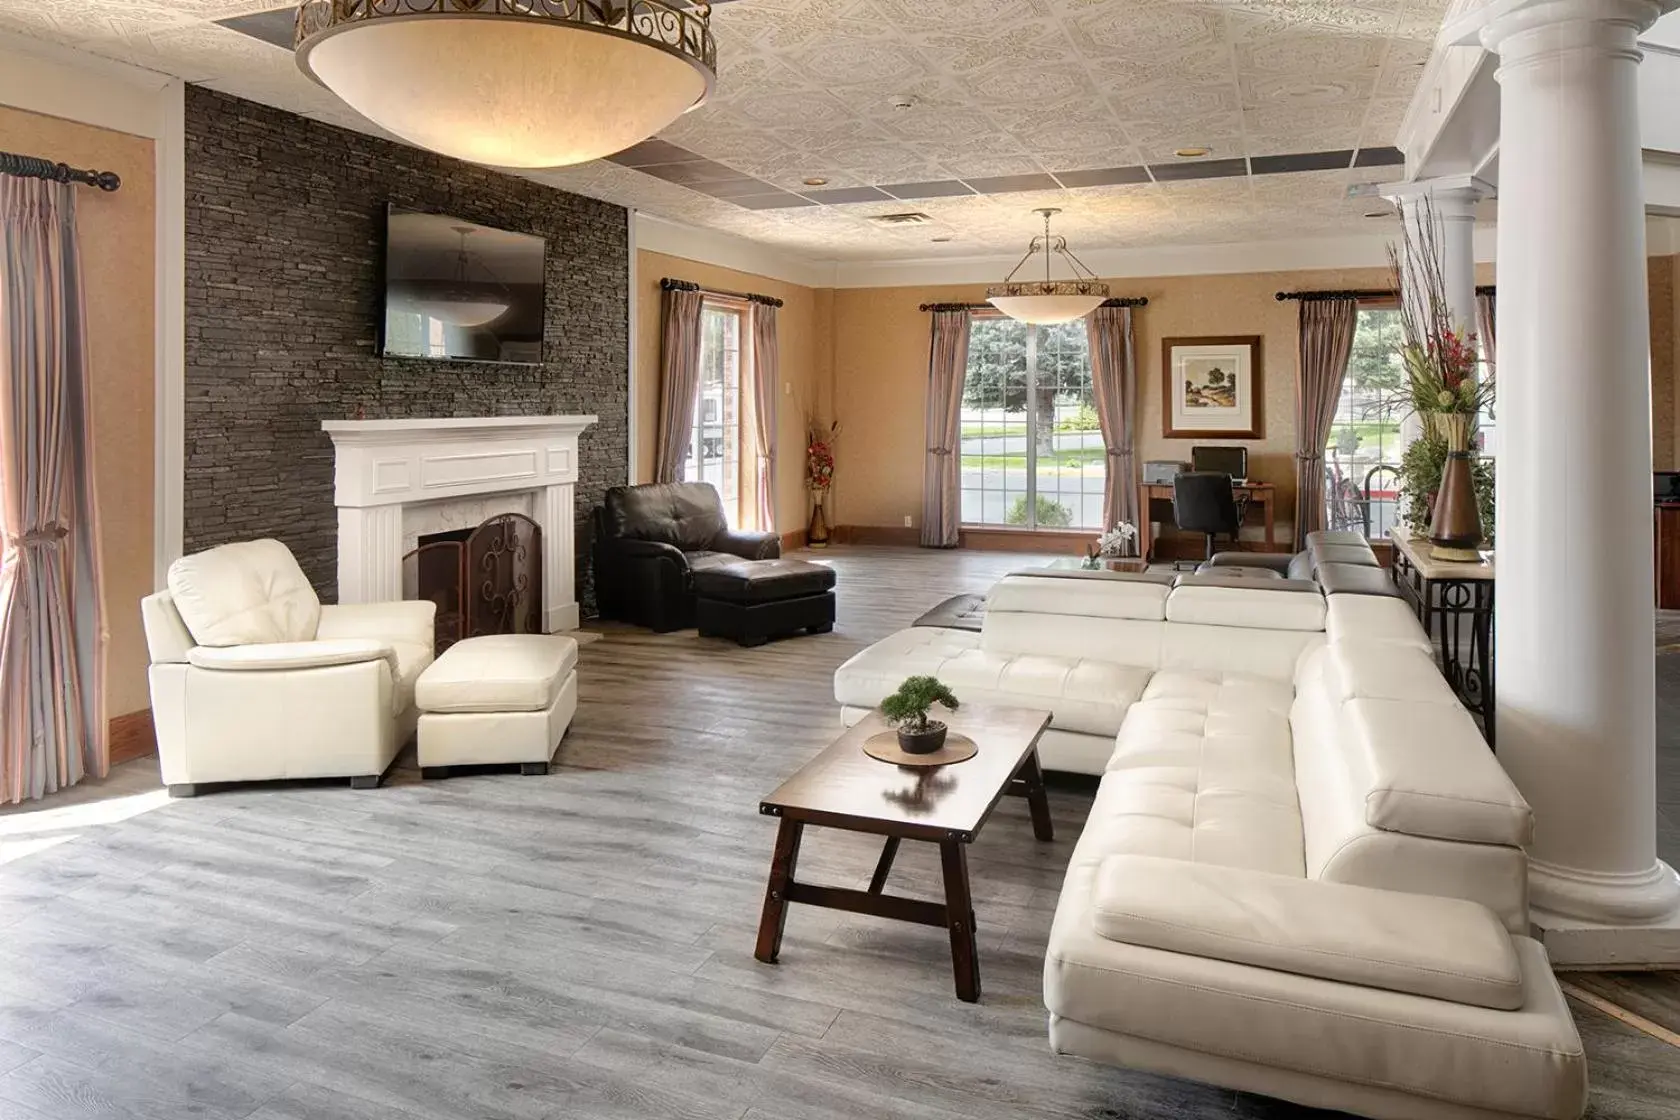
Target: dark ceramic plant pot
922	742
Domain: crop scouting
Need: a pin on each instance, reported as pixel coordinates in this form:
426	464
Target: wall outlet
907	523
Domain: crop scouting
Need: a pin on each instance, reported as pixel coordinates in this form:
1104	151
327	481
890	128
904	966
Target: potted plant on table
1445	387
1118	542
907	710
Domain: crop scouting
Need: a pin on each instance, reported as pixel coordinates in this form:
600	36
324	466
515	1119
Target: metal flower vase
1455	530
817	535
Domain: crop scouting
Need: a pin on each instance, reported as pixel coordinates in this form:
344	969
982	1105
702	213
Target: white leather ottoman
503	699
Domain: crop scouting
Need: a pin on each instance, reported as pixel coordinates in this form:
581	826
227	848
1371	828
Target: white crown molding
56	81
709	246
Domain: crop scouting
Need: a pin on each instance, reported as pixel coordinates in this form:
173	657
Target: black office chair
1203	502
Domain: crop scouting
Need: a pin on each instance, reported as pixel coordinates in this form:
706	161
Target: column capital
1453	197
1521	30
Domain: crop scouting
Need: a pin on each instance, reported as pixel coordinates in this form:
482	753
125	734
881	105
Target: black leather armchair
649	542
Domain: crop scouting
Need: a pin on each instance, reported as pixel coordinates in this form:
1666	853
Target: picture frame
1213	387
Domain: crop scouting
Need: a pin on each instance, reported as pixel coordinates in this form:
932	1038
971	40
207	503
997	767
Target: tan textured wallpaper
804	328
116	232
1665	312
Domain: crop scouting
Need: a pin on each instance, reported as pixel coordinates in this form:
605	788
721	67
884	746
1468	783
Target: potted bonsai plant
907	710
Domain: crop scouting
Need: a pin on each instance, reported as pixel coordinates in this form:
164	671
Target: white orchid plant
1117	541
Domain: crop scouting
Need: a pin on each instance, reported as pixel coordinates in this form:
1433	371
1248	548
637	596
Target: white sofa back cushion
1246	607
167	638
1444	948
1083	594
244	594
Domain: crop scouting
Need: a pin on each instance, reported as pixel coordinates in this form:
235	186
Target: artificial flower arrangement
819	455
1118	541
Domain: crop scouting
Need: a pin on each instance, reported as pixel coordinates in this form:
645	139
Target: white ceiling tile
806	87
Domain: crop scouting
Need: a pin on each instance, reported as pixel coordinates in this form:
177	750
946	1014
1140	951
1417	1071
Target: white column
555	513
1574	671
1453	202
370	552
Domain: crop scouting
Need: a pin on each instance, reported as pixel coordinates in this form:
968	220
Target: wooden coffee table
844	788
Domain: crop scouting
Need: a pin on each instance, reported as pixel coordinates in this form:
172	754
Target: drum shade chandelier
1048	301
512	83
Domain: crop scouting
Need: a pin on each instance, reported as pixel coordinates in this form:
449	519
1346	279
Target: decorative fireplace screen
486	580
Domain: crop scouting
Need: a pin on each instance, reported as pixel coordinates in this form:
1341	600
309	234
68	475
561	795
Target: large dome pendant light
512	83
1049	301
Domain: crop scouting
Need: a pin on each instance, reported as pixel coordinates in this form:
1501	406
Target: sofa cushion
686	514
1081	694
1445	948
1355	579
1373	618
1103	594
497	673
762	581
1201	772
1528	1062
1276	605
1425	771
288	656
244	594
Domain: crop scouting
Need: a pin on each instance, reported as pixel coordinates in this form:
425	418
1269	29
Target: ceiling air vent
911	218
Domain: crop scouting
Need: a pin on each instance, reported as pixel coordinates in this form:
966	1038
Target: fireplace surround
395	481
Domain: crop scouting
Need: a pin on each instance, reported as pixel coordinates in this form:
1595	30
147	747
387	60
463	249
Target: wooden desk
1261	494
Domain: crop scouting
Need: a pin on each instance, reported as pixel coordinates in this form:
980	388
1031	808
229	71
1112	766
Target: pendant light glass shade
1046	307
1045	302
462	313
512	83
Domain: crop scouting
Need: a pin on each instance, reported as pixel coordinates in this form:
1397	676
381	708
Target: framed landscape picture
1212	388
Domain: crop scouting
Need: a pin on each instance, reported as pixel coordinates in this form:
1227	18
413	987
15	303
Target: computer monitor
1225	460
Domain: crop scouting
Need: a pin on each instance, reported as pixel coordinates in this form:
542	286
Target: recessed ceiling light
1192	152
816	181
1379	213
942	240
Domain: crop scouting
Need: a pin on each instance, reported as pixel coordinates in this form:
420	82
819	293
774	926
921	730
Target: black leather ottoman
755	600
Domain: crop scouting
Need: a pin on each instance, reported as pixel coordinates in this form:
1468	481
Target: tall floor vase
1455	530
817	535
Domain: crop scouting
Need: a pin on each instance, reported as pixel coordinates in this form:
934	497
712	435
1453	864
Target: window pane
714	453
1362	456
994	423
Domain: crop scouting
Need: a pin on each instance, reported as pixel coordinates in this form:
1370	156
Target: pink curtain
767	375
1327	329
1114	387
679	383
941	491
52	720
1486	314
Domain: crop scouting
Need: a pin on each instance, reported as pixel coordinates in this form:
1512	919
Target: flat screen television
459	291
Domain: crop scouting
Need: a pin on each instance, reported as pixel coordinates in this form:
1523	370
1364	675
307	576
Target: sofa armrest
278	656
1443	948
409	620
629	548
749	546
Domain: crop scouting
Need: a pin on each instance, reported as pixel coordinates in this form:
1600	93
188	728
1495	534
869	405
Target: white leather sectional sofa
1303	874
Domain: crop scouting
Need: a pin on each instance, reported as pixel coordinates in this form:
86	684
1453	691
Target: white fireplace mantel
381	466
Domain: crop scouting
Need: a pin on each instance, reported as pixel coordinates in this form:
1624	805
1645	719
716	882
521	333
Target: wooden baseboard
793	540
1026	540
131	736
877	534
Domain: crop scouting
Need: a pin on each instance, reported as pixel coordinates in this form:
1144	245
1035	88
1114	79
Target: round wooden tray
884	747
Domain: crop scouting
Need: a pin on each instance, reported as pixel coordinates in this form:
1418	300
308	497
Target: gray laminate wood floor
577	945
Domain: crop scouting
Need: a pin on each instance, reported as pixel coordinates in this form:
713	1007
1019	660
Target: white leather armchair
253	679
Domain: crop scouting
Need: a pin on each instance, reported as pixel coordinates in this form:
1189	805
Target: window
1032	452
715	453
1362	457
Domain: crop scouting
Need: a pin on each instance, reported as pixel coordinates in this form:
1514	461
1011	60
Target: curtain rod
29	167
1129	301
1363	293
672	284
